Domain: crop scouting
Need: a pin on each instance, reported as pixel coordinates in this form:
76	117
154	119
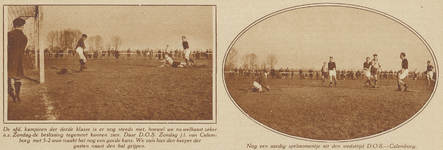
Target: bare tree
272	60
51	38
76	35
116	41
90	41
108	46
63	39
263	65
250	61
253	61
98	42
230	59
95	42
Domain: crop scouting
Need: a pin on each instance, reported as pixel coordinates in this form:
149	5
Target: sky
139	27
307	37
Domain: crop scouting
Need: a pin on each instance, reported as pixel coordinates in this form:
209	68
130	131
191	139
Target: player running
366	70
403	72
186	50
80	48
429	73
332	73
375	67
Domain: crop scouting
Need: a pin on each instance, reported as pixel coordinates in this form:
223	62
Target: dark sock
17	85
81	64
11	90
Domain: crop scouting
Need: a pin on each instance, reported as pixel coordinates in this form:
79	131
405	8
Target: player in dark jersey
300	72
80	48
429	73
116	54
17	42
129	53
403	72
138	53
332	71
366	70
186	50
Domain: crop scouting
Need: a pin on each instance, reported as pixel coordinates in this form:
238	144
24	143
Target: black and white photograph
222	74
330	72
88	62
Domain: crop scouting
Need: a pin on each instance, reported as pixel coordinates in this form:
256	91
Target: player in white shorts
366	70
80	48
403	72
332	71
169	61
429	73
375	68
324	72
186	50
260	83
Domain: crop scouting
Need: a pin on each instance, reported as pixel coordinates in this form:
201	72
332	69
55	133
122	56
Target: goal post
32	29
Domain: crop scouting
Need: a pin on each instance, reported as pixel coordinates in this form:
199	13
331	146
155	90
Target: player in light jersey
260	83
375	67
169	61
324	72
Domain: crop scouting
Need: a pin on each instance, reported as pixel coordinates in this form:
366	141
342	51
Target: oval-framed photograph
330	72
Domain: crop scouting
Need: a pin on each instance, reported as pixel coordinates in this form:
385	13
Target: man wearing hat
17	42
80	47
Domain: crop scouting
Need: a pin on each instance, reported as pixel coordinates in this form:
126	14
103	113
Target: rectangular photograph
149	63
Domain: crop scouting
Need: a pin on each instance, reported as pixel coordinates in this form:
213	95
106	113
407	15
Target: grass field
310	109
113	89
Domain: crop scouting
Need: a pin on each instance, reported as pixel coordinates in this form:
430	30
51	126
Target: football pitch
311	109
111	89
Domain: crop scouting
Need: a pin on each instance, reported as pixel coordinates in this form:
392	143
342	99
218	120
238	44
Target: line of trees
67	40
250	60
63	39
